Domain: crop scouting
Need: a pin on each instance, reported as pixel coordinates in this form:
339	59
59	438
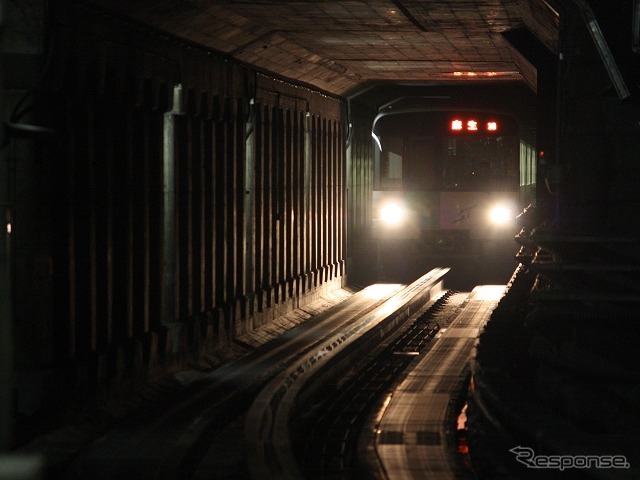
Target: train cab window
391	163
480	162
426	153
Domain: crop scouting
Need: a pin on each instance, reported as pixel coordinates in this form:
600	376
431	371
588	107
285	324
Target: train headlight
392	213
501	215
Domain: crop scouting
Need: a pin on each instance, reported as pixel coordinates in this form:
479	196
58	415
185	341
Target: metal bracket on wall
603	48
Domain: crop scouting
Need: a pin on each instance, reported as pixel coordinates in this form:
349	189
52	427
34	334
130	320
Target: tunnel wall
361	156
184	200
596	188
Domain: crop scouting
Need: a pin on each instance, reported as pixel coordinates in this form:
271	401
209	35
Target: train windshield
478	162
429	155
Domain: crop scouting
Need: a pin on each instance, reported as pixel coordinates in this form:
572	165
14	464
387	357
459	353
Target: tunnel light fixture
460	74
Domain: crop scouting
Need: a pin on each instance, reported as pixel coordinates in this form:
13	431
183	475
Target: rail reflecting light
489	292
380	290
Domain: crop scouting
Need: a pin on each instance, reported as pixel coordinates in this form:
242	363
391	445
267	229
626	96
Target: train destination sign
472	125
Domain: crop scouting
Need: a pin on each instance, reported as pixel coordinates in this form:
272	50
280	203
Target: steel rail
267	423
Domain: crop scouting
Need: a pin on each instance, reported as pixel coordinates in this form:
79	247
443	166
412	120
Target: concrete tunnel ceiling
343	46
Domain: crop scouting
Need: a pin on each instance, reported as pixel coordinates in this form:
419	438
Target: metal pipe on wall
168	211
249	201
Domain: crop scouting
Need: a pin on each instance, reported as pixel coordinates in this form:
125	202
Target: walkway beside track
164	439
412	437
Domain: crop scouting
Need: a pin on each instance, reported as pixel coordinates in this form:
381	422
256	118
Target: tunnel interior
177	174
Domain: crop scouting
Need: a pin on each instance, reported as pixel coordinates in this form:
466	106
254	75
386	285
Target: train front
448	189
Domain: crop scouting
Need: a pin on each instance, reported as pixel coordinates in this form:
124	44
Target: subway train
450	183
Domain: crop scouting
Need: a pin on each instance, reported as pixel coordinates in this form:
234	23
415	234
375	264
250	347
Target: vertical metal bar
169	210
249	201
92	161
146	224
328	194
259	193
129	133
69	341
315	204
101	228
287	170
237	192
6	294
6	312
265	221
82	211
276	203
119	193
230	209
201	220
306	198
184	167
210	199
266	194
138	138
155	205
277	194
111	234
220	216
196	214
270	215
324	184
207	215
187	223
331	193
298	150
340	193
268	219
351	214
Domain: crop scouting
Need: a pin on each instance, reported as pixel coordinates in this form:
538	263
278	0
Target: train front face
448	185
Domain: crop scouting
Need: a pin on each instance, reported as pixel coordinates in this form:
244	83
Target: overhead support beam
405	11
603	48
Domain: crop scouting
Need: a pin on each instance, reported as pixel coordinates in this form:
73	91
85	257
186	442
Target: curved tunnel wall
172	219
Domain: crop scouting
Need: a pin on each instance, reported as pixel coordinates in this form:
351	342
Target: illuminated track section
267	433
411	438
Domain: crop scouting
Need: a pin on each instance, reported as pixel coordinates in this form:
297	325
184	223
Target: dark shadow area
398	262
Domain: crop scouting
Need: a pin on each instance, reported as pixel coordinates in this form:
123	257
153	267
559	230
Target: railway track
168	440
268	434
264	388
331	448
